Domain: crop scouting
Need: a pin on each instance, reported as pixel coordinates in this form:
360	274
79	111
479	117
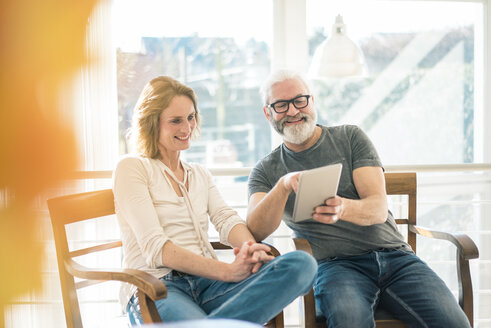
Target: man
363	260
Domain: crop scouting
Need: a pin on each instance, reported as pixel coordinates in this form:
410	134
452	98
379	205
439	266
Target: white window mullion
486	122
290	42
100	136
290	46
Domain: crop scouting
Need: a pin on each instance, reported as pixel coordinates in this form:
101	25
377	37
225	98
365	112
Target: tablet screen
314	187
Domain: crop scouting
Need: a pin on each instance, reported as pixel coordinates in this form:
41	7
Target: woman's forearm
248	259
181	259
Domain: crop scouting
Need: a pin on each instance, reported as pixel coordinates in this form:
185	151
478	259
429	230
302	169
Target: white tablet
314	187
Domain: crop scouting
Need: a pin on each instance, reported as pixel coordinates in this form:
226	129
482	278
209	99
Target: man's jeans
258	298
348	290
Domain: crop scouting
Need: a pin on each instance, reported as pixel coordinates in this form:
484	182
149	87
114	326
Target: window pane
419	101
224	55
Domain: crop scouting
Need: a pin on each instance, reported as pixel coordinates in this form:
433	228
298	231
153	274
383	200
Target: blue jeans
258	298
348	290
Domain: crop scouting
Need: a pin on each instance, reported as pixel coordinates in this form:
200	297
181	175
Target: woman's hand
248	259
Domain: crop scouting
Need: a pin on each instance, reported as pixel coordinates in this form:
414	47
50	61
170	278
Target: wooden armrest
466	250
465	245
151	286
275	252
218	245
302	245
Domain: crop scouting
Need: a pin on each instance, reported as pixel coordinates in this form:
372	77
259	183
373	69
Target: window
213	52
420	100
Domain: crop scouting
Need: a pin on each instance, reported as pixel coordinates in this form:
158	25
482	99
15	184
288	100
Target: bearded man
363	261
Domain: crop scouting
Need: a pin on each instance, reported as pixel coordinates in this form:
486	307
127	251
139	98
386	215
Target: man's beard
296	133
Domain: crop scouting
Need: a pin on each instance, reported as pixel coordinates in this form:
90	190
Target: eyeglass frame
290	101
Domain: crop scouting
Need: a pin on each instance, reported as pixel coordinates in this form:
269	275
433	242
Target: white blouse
150	213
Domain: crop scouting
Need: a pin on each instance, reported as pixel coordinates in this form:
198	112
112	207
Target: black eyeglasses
298	102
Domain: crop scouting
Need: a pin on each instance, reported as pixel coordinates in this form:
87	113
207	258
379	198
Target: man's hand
330	212
248	259
290	181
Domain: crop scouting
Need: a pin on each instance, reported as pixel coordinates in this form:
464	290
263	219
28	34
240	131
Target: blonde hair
154	99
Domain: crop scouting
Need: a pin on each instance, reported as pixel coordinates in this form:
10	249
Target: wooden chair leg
147	308
276	322
279	321
308	310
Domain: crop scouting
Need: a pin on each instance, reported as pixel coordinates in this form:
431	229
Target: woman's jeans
348	290
258	298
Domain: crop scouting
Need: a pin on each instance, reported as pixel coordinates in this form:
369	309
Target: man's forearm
266	211
367	211
239	234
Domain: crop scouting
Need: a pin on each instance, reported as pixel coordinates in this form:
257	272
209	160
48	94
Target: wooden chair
74	208
405	184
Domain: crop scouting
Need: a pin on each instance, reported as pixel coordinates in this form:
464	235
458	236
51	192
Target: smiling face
177	123
296	126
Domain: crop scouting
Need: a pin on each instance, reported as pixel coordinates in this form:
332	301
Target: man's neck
307	143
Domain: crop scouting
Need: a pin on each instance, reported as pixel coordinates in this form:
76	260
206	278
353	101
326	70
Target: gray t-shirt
346	144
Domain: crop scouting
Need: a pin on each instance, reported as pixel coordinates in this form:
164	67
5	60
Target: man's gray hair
280	76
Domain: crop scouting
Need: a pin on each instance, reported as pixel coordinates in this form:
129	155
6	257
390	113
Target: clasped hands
248	260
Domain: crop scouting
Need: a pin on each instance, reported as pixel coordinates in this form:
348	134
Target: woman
163	205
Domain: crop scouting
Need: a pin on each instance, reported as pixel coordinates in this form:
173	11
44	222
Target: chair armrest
302	245
151	286
274	251
466	250
465	245
220	246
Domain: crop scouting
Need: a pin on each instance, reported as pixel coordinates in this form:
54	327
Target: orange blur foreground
41	44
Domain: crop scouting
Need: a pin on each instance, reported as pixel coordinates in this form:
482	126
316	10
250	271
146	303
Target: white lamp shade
337	56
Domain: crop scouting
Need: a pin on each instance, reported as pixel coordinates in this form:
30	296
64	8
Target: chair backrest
404	184
71	209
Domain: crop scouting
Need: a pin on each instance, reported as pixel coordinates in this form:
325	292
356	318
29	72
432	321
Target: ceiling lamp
337	56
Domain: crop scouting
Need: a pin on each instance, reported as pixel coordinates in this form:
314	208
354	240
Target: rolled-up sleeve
136	211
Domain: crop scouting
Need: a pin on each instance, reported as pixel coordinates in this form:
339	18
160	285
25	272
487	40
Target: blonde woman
163	206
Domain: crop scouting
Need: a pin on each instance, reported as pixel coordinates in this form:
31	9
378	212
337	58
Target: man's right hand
290	181
331	211
265	210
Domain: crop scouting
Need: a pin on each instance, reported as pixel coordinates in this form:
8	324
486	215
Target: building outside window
217	56
424	77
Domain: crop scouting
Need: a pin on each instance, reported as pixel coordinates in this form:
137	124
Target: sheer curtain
90	104
99	138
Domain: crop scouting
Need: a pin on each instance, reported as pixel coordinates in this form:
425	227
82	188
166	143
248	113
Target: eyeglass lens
298	102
